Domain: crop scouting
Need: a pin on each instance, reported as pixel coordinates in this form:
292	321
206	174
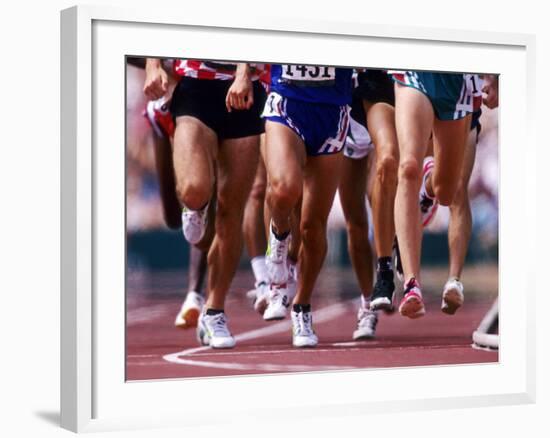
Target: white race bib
308	74
273	105
473	84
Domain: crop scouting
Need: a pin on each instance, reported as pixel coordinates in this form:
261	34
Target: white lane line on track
324	314
361	346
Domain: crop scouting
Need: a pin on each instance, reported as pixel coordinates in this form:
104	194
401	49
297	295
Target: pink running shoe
412	305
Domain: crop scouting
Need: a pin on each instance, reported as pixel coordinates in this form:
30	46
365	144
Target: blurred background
152	247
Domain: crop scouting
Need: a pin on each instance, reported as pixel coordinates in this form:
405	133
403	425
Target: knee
461	199
193	195
257	194
444	193
313	233
386	170
410	170
357	227
284	191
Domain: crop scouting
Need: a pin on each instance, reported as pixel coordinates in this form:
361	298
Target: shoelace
411	285
276	296
219	325
280	250
305	328
195	217
367	318
279	247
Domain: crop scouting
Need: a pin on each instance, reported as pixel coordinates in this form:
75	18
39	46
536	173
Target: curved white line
325	314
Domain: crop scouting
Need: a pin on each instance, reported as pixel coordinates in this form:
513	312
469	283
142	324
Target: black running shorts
376	86
204	99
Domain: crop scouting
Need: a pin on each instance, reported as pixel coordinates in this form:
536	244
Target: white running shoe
190	311
428	205
302	330
453	296
276	258
213	331
278	303
366	323
194	224
261	297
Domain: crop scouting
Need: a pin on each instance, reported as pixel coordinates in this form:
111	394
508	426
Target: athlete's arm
490	88
240	95
156	79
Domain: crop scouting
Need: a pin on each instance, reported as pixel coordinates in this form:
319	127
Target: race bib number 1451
310	75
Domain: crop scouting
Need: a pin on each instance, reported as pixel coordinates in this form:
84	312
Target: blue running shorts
322	127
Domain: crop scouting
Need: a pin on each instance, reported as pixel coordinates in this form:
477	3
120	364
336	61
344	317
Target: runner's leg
414	119
460	230
449	146
195	147
236	164
197	269
253	223
352	187
381	123
285	159
164	164
190	310
321	177
460	220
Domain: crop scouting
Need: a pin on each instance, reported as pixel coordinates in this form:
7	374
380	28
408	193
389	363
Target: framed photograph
130	276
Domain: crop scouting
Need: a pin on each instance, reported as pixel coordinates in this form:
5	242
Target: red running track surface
157	350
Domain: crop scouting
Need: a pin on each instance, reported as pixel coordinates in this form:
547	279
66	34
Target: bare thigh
195	146
449	146
285	158
237	165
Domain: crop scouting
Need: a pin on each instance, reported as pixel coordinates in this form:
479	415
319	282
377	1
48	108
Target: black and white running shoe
383	292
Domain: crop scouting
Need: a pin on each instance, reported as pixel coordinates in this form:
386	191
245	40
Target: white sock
260	270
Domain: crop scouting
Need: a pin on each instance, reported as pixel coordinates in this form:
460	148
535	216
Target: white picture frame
93	397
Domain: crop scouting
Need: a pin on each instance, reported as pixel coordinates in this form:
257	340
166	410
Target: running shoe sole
260	305
220	345
452	300
276	317
412	306
382	303
207	341
189	319
363	336
304	344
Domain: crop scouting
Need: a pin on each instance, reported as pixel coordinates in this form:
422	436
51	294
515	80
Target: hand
490	89
240	95
156	79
